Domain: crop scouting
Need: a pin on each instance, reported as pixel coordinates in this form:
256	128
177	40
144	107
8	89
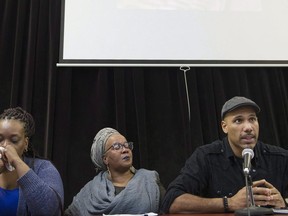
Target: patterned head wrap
98	147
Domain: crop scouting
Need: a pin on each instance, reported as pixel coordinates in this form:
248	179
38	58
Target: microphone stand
251	208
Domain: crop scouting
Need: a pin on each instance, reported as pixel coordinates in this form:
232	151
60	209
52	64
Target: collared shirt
214	171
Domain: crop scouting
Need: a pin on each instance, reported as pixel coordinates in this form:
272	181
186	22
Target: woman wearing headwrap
118	188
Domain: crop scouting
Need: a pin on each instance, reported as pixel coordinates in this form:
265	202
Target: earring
108	173
26	148
132	170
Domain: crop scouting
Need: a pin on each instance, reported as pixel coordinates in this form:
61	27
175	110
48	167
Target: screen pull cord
185	69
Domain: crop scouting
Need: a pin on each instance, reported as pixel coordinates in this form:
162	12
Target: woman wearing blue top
29	185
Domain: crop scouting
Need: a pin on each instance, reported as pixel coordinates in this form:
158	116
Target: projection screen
174	32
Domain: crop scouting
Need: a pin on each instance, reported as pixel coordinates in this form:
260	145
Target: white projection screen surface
174	32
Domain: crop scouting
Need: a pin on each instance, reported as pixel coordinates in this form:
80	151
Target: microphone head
248	151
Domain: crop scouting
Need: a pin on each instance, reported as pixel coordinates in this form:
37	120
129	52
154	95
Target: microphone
251	209
247	154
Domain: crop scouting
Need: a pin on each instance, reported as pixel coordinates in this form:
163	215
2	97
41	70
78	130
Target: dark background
146	104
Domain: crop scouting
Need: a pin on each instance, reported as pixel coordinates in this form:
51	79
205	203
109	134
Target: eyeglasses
118	146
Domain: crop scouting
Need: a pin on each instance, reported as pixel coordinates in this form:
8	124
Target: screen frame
155	62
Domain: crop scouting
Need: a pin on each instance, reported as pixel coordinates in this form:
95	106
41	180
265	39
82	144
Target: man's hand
238	201
265	194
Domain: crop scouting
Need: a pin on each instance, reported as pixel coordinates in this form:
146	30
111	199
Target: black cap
237	102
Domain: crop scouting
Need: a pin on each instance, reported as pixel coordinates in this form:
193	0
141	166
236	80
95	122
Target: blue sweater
40	189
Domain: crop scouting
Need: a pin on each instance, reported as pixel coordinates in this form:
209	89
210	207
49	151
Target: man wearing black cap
212	179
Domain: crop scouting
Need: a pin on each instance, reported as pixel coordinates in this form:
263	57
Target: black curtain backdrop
147	104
